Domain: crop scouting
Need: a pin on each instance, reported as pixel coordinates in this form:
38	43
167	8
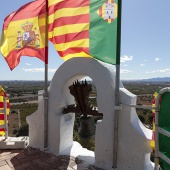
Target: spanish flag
23	33
84	28
2	95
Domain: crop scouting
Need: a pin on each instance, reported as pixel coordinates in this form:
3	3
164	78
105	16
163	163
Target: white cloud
37	70
52	70
125	58
124	65
28	64
148	72
166	71
157	59
123	71
142	65
33	69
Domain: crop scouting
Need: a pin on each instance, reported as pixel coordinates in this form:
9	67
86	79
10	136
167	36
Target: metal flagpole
46	83
117	103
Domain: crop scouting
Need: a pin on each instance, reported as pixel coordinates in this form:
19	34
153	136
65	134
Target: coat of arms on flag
28	37
108	11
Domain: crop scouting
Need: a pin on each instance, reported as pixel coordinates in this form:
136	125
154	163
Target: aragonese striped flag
23	33
2	94
84	28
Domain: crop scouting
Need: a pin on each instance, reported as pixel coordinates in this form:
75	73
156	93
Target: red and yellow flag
84	28
2	95
23	33
153	113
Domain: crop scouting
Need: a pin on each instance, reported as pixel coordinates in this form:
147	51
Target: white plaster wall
134	138
60	97
36	125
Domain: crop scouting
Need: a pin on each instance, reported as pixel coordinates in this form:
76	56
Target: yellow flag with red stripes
2	95
84	28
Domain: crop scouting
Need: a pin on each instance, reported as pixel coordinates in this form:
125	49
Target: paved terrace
33	159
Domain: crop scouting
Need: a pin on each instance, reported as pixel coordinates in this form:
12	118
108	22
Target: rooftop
34	159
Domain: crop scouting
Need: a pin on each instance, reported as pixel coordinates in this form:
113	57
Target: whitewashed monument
133	138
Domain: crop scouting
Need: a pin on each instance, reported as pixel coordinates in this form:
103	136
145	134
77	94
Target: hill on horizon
158	79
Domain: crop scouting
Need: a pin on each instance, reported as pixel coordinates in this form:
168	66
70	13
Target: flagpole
46	82
117	84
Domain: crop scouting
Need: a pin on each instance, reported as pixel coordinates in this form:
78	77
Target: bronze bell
87	127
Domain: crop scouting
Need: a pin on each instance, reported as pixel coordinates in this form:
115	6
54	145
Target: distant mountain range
158	79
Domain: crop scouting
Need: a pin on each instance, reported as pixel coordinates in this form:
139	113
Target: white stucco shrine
133	137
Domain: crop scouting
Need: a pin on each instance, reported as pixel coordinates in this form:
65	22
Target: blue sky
145	51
